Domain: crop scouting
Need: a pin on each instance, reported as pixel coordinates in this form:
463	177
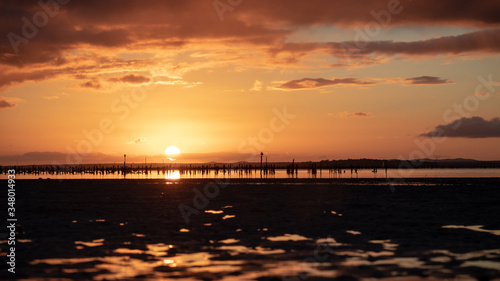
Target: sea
431	224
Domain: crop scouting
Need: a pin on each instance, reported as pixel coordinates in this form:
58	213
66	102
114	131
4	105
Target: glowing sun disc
172	150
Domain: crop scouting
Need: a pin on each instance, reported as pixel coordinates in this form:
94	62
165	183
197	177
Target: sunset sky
89	81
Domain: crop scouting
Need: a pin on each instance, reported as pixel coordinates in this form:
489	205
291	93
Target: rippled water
302	257
258	230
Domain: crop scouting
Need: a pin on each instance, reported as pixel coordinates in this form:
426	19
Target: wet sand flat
269	229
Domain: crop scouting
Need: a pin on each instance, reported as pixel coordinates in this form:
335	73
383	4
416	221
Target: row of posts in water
136	169
187	170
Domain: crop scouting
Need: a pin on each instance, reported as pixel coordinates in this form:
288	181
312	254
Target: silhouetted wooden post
261	154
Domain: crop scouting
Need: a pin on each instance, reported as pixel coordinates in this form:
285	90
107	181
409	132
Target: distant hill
420	163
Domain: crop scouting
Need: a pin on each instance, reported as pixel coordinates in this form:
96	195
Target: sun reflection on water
172	175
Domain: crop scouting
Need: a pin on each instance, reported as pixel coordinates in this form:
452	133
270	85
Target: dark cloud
312	12
94	84
8	79
347	114
309	83
95	26
130	78
369	52
94	63
427	80
5	104
170	23
128	24
473	127
445	12
360	114
479	41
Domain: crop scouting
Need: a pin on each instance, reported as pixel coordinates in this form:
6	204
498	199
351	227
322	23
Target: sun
172	150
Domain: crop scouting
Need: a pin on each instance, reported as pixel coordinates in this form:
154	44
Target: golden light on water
172	175
170	263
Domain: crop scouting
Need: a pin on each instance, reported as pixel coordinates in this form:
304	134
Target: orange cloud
82	39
